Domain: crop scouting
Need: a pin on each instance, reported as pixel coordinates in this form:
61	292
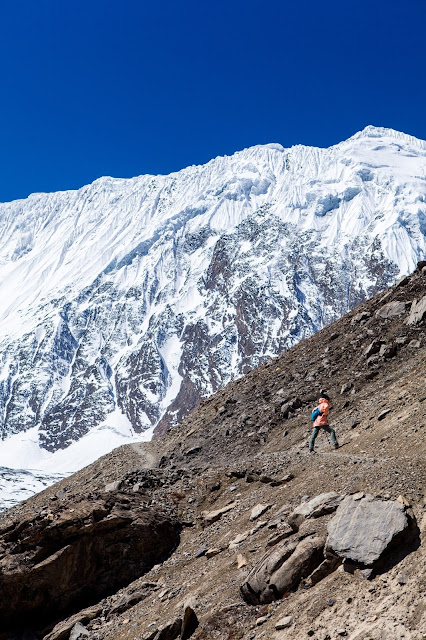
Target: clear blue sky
125	87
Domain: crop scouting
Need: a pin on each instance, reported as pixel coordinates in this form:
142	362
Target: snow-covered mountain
127	301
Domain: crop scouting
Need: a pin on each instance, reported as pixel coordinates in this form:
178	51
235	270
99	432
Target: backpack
315	413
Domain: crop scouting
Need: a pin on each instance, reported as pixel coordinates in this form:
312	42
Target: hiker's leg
332	434
313	436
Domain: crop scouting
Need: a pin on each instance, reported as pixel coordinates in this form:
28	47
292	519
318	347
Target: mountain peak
371	131
125	303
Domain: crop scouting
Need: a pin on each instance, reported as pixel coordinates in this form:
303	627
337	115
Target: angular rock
258	510
325	568
213	516
238	540
63	629
388	351
281	569
170	631
112	486
285	531
286	410
79	631
241	561
417	311
392	310
373	348
362	530
285	622
414	344
315	508
360	317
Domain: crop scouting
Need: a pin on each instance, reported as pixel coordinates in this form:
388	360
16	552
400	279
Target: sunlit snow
107	280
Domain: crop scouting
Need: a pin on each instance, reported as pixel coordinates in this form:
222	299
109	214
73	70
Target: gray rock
388	351
284	532
362	530
285	622
259	510
213	516
318	506
79	631
286	410
414	344
112	486
417	311
361	317
392	310
373	348
281	569
401	578
170	631
346	387
238	540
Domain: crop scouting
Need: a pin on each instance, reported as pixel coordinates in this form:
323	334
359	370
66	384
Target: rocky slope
128	301
237	484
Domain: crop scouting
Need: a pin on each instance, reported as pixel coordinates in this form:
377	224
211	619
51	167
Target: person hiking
319	416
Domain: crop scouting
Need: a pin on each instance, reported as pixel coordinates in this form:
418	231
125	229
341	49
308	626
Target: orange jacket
324	407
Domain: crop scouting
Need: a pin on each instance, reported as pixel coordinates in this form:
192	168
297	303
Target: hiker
319	416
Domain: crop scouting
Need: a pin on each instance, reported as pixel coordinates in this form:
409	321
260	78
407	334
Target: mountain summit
126	302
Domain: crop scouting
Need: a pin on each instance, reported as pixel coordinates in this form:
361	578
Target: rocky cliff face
273	541
127	302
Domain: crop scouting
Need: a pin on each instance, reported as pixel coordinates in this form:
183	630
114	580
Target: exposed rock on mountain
363	528
80	549
127	302
237	454
282	569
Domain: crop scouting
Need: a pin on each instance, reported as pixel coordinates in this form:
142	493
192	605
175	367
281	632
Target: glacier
126	302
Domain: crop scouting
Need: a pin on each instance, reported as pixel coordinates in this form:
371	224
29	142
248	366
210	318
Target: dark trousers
315	432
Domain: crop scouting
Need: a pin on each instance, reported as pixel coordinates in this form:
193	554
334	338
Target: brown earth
236	450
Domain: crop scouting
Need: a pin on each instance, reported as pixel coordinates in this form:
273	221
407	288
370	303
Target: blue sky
125	87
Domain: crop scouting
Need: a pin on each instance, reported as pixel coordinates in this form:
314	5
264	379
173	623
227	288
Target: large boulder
392	309
281	569
362	530
417	311
59	560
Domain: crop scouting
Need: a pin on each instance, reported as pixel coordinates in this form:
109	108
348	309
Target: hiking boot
336	446
311	450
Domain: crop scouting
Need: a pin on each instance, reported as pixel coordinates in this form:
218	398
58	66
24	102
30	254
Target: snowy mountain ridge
127	301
